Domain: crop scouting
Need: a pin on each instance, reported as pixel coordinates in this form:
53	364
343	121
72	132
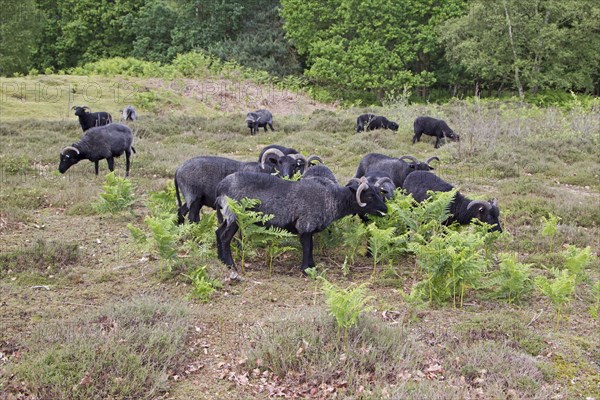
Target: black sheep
462	209
303	207
433	127
259	119
397	169
99	143
372	121
89	120
198	177
129	114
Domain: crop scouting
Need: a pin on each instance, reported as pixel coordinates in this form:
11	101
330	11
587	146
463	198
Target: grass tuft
121	351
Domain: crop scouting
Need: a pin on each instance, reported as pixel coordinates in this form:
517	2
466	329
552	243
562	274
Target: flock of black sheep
302	207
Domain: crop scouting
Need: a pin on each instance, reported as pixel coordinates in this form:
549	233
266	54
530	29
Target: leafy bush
117	196
549	228
345	305
595	307
576	260
559	290
511	281
203	286
452	263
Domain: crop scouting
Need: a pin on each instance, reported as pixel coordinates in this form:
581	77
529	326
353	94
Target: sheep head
373	202
68	156
386	187
80	110
486	211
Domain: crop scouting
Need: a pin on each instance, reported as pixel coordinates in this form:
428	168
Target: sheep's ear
494	202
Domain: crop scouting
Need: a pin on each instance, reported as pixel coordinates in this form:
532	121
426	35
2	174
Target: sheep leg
416	138
265	128
194	213
127	162
306	240
111	163
270	126
437	142
96	166
225	234
181	211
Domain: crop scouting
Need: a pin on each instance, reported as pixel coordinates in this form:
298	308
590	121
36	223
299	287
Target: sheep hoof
235	277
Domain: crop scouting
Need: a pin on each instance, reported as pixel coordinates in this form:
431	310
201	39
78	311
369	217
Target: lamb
101	142
433	127
462	209
372	121
259	119
377	165
198	177
303	207
88	120
129	114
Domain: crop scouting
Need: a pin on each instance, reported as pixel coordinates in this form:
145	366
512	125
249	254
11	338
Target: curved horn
86	108
430	159
485	204
359	191
74	107
267	153
69	148
298	156
312	158
383	180
411	158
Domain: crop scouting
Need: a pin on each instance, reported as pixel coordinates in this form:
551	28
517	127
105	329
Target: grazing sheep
285	163
129	114
383	181
259	119
283	149
433	127
372	121
380	165
88	120
462	209
303	207
320	171
99	143
198	177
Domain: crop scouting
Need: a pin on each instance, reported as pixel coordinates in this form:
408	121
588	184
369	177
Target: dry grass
536	161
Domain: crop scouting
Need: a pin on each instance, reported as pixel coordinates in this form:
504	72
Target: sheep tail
180	219
228	216
133	149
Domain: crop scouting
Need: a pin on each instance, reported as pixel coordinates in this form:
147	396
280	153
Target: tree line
380	47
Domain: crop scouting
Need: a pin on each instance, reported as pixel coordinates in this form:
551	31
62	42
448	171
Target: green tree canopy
21	25
374	45
527	45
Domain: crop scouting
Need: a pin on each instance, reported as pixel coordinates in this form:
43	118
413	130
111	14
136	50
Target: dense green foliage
526	46
376	51
57	35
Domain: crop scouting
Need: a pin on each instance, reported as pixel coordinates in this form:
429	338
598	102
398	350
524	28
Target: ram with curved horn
88	119
302	207
375	165
99	143
285	161
259	119
462	209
